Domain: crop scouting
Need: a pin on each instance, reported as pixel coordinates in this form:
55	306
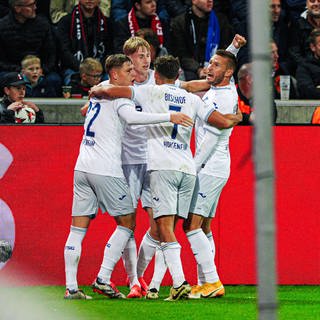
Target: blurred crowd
53	43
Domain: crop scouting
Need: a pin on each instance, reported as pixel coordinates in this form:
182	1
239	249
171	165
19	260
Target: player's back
100	149
169	144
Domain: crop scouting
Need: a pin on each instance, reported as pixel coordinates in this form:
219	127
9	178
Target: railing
60	111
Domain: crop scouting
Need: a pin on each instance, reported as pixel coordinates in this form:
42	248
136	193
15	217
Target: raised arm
237	42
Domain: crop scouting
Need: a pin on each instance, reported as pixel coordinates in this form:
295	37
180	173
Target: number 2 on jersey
96	109
175	126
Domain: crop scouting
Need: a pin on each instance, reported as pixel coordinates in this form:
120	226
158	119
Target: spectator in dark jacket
22	32
239	22
83	33
308	72
244	89
300	31
280	31
279	69
142	15
37	84
196	35
14	87
90	74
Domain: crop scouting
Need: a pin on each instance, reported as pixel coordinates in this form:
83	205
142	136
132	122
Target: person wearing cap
14	88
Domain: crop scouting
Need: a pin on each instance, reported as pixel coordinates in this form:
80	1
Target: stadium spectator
292	9
155	49
92	40
90	74
300	31
280	31
244	88
14	88
121	8
196	35
239	21
245	95
279	69
308	72
36	83
23	32
60	8
142	15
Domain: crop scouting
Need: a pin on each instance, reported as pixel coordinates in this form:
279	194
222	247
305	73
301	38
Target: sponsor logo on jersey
202	195
122	197
108	245
155	198
70	248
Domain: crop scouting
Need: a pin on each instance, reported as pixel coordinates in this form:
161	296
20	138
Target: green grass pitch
240	302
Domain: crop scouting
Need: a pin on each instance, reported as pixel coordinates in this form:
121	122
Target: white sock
113	251
146	252
171	252
213	248
72	253
202	251
211	240
129	258
201	277
160	269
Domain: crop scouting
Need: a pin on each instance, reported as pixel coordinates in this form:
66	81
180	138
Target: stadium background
38	189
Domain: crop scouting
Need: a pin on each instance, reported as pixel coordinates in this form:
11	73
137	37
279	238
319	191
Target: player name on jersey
175	99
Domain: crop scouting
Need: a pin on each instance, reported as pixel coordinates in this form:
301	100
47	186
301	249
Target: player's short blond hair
90	65
133	44
30	60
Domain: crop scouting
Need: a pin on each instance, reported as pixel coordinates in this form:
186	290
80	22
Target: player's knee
127	221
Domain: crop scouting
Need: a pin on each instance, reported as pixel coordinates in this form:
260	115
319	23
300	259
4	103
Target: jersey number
96	109
175	126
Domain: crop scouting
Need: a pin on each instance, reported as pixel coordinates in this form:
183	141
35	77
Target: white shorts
138	180
93	191
171	192
206	195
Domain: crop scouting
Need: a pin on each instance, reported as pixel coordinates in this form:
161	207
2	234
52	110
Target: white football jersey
225	100
134	143
168	143
100	149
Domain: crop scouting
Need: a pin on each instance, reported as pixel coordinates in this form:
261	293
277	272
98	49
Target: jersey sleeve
233	49
129	114
203	110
